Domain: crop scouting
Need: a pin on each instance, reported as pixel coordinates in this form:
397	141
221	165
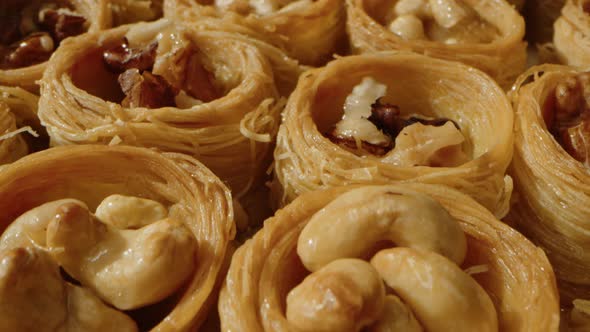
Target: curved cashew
443	297
351	225
29	229
345	295
396	316
127	212
126	268
33	297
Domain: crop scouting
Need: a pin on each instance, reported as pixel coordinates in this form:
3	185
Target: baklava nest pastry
31	30
406	257
571	35
209	94
486	34
98	238
308	30
396	117
550	171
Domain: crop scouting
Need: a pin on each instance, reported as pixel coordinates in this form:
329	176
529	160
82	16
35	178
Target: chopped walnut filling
61	23
145	90
30	32
567	116
381	130
184	82
123	57
35	48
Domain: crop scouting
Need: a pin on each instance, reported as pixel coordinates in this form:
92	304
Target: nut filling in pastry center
165	71
372	127
129	254
566	112
417	284
446	21
31	30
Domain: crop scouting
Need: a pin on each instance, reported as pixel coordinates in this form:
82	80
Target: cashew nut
447	13
127	212
126	268
351	225
29	229
33	297
345	295
396	316
443	297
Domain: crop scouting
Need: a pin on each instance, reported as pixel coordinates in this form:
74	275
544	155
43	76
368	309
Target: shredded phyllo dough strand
13	133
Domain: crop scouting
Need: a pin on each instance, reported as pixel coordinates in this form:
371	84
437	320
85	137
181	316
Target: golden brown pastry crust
503	59
231	134
519	280
193	194
552	192
305	160
310	33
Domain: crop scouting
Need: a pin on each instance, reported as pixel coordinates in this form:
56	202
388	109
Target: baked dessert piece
125	238
484	34
409	257
391	117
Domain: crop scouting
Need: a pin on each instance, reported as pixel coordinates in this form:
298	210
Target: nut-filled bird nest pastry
309	31
382	118
486	34
101	238
550	170
204	93
379	258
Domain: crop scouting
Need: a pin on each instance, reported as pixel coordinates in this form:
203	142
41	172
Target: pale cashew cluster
129	254
426	287
33	297
362	218
345	295
127	268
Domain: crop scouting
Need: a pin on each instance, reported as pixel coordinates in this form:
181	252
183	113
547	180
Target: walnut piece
566	112
61	23
145	90
34	49
122	57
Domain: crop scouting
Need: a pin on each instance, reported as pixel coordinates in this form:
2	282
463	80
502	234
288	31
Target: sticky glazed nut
368	216
33	297
344	295
370	126
127	268
31	31
423	270
566	112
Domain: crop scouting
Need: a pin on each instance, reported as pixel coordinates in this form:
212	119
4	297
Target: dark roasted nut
121	57
349	143
199	81
36	48
386	117
61	24
568	98
145	90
